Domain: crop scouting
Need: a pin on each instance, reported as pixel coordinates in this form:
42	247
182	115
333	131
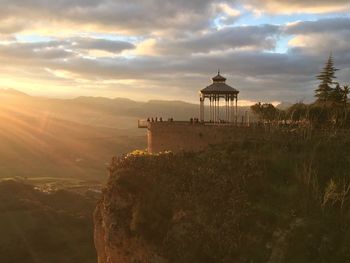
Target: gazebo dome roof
219	86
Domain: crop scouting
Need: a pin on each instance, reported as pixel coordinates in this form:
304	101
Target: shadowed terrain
38	227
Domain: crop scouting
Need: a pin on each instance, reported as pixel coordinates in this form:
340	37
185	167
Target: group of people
194	120
156	119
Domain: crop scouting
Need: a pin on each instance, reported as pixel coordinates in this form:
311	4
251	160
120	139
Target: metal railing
144	123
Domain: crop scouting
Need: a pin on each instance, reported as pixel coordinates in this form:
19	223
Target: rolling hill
74	137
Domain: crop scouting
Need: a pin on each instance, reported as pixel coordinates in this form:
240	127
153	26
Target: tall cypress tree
327	77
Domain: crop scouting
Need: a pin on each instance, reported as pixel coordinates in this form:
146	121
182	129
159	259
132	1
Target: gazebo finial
218	71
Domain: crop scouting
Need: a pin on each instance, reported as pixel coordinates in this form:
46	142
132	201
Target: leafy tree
298	111
336	94
345	93
339	94
265	111
320	115
327	77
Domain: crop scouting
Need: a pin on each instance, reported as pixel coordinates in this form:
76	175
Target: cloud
328	25
144	16
112	46
228	10
61	49
258	75
31	52
240	37
10	26
321	37
298	6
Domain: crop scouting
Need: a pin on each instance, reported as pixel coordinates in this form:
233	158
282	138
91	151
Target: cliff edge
277	200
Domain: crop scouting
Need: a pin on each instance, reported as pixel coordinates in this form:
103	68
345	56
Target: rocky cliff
281	200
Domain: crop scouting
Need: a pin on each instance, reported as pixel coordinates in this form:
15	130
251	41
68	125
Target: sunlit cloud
299	6
145	48
229	10
299	41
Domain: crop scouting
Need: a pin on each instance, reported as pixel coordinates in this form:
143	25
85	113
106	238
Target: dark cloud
60	49
146	17
20	52
112	46
133	15
259	37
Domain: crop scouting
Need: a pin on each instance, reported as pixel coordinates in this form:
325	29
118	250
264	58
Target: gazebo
216	91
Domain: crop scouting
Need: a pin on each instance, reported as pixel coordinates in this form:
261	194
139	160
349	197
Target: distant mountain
74	137
42	137
13	92
118	113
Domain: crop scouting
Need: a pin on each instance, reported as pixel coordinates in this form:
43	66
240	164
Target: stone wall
178	136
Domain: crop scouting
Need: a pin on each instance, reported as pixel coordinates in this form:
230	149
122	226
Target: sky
270	50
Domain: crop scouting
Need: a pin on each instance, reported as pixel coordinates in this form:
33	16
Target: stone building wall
178	136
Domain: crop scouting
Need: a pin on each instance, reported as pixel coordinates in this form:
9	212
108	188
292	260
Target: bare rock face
113	241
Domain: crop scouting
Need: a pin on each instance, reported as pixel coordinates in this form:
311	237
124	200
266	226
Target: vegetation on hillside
39	227
278	198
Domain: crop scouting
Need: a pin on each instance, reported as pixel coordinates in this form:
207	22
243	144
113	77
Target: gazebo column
236	108
201	113
215	108
209	108
232	110
218	110
227	108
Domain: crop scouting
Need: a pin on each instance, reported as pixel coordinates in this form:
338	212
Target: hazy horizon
242	103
